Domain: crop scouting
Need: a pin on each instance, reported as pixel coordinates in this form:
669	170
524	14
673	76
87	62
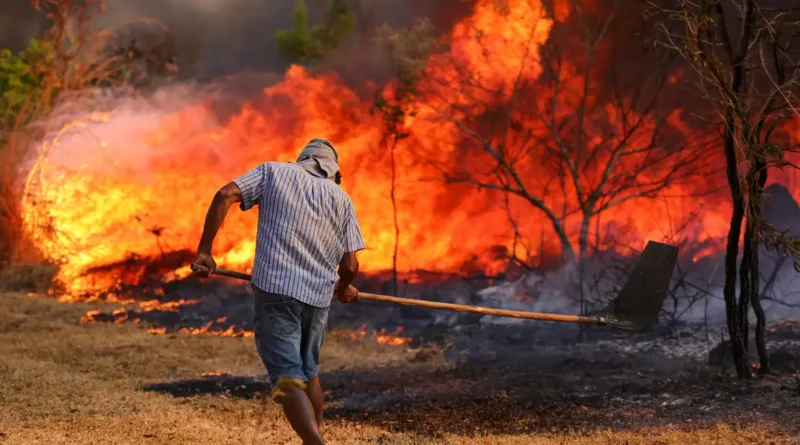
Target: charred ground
66	381
463	374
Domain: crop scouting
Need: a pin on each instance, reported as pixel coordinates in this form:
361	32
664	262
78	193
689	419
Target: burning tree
744	56
555	116
396	103
69	61
574	130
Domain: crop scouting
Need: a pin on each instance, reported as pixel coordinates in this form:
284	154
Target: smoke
219	38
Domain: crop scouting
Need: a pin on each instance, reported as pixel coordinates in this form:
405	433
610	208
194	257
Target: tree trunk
394	215
757	189
583	247
745	285
567	252
738	337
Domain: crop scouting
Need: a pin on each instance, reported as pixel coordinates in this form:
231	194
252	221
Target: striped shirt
305	225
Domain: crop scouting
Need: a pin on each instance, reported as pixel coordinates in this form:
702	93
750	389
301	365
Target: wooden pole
363	296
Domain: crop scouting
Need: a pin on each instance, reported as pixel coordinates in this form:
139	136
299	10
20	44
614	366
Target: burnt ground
520	389
511	377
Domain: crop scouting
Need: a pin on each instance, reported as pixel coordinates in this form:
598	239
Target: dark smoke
217	38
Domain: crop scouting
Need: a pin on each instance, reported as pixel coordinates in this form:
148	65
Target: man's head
320	158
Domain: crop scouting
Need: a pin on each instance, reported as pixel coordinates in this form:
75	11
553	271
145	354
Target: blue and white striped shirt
305	225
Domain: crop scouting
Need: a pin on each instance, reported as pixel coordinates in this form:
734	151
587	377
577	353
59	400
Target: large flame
139	180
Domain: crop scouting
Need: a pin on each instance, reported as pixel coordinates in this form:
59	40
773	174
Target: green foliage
21	78
303	43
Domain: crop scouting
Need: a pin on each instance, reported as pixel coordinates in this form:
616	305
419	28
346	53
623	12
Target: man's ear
338	178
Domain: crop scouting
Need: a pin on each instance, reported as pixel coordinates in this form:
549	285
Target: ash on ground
511	376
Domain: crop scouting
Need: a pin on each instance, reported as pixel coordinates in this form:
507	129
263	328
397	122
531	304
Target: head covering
319	158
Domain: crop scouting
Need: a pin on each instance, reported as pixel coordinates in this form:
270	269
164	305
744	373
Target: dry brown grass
66	383
28	277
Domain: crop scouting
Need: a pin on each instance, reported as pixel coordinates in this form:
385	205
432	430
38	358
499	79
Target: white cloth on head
319	158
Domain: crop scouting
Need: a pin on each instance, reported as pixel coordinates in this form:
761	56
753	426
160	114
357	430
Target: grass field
62	382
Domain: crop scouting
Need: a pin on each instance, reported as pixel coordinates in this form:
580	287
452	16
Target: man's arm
246	190
348	266
348	270
217	211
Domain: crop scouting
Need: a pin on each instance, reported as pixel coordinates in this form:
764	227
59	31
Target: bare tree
574	130
745	57
396	102
576	139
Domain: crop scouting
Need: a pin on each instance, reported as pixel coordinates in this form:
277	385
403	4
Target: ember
393	339
207	329
381	337
122	314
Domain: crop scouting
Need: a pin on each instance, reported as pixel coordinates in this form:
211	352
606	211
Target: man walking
307	228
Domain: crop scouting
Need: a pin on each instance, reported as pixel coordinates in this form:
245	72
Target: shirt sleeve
251	184
353	241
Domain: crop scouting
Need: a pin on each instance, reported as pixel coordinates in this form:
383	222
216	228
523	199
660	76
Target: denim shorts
288	334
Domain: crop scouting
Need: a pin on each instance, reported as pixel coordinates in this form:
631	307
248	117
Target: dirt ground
63	382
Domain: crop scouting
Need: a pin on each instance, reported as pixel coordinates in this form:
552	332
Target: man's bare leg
314	392
300	412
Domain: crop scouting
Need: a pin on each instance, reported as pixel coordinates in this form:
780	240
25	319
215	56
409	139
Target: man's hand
203	265
347	295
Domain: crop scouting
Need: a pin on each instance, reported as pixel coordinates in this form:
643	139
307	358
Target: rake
635	308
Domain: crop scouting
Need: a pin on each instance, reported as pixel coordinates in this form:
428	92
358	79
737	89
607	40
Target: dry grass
66	383
28	277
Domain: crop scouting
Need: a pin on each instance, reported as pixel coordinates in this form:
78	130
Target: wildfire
123	314
231	331
391	339
136	181
784	325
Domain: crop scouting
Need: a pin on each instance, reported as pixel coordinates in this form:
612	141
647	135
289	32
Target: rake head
638	304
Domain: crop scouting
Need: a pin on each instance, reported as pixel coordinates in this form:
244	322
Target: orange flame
141	181
393	339
231	331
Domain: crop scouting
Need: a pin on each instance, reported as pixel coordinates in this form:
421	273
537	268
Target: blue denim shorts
288	334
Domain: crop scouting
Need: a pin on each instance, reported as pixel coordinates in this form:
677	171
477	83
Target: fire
784	325
137	180
231	331
392	339
122	314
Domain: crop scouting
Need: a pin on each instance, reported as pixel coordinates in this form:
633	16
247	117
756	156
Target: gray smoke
226	37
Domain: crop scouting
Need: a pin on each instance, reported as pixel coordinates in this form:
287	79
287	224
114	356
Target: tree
744	55
396	102
303	43
69	61
573	131
20	87
568	124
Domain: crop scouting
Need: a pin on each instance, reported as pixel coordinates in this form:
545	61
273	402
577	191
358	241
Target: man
307	227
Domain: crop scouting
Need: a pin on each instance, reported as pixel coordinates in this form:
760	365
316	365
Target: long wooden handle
449	306
479	310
